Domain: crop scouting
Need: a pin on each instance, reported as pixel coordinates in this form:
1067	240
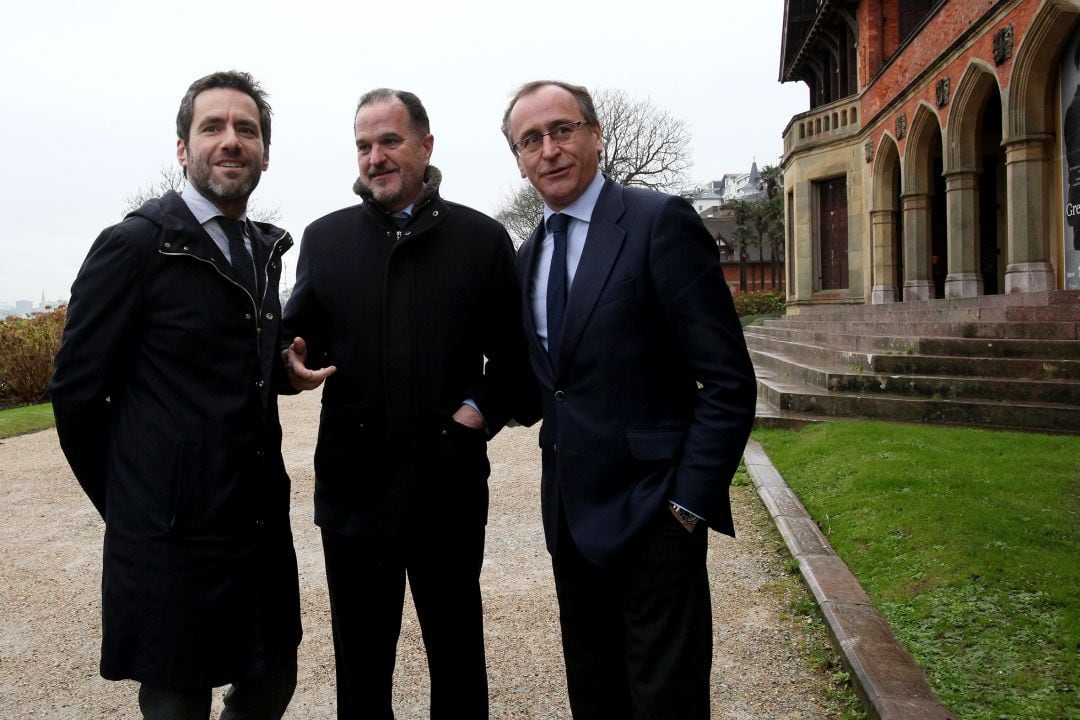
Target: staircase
1001	361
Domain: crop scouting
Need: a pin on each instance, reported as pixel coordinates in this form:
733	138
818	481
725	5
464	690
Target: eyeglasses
534	142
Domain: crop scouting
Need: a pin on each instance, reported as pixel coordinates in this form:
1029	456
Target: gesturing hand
300	376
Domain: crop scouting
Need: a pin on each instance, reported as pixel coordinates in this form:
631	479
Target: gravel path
50	545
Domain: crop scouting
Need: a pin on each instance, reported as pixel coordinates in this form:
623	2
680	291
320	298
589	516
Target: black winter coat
166	409
408	317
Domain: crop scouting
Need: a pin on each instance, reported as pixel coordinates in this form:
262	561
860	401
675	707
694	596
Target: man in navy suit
648	396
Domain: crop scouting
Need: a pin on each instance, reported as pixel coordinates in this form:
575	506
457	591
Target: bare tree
520	213
643	146
171	177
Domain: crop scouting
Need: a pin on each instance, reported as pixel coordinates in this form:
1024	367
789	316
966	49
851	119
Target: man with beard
165	403
399	301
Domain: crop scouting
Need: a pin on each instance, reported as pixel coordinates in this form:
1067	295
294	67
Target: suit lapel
602	246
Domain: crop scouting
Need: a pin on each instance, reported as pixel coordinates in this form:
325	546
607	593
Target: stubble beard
386	198
201	175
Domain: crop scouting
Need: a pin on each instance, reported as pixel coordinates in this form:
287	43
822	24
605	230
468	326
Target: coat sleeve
89	370
697	304
507	389
304	315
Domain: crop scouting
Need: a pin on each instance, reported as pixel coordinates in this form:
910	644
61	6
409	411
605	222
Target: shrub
26	364
768	302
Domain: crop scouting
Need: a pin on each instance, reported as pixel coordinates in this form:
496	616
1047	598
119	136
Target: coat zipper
266	283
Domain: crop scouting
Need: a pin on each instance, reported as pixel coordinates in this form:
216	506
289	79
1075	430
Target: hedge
26	364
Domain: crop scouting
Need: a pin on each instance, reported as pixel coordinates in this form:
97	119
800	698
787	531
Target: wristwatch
685	516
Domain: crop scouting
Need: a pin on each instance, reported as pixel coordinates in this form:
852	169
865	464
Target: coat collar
180	229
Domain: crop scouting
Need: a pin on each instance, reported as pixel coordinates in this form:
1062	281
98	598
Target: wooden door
832	197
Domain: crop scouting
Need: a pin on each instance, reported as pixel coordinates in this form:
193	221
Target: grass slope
967	540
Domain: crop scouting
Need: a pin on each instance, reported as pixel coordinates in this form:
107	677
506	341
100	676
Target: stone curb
886	677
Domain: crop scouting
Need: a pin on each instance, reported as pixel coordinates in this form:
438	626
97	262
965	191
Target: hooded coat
166	408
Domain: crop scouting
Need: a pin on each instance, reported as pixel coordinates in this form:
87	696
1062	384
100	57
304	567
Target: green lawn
16	421
968	541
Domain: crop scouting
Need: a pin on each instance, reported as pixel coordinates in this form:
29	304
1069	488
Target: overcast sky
91	89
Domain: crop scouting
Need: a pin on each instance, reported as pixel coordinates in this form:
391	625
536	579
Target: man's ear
181	154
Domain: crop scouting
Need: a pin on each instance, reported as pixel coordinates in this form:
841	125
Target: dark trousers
637	636
264	697
367	594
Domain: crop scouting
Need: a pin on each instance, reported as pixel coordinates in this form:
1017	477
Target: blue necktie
242	264
557	286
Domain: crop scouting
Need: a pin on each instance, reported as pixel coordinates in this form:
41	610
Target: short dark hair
233	80
418	116
580	93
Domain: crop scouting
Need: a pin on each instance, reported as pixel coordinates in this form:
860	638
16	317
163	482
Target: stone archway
925	249
975	184
1031	137
885	225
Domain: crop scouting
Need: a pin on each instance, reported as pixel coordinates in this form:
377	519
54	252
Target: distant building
733	186
932	161
761	272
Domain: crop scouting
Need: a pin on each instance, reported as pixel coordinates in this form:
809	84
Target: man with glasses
409	305
648	396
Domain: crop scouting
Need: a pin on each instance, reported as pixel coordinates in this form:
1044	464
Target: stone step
1000	348
975	329
899	313
994	361
1035	299
1029	416
949	359
944	387
907	345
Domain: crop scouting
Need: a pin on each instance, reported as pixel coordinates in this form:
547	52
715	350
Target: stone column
1028	217
962	208
918	285
883	237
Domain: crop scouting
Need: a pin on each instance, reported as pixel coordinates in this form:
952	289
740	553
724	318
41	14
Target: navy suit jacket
655	396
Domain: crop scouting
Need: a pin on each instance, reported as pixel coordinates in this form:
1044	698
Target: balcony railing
823	124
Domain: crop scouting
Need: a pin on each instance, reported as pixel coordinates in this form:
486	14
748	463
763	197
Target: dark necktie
242	264
557	286
399	218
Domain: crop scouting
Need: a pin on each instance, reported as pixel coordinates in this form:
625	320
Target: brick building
762	272
932	161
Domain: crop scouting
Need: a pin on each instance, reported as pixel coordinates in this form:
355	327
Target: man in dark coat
412	303
166	409
648	397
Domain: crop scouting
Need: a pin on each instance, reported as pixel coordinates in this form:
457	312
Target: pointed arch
965	118
886	164
1032	85
924	247
885	225
917	170
1032	141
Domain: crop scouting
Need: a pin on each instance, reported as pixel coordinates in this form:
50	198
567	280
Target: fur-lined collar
432	181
